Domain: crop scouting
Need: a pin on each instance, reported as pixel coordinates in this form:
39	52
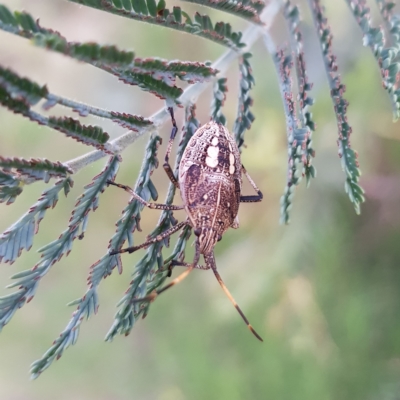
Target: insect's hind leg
154	206
210	260
251	199
167	167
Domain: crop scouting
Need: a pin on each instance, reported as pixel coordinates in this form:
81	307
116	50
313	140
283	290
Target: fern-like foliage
87	134
244	116
374	38
219	96
30	92
20	235
34	169
347	155
156	13
32	100
292	16
296	136
126	225
153	75
248	9
28	281
10	188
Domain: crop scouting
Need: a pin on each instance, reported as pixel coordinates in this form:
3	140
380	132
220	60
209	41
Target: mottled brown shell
210	183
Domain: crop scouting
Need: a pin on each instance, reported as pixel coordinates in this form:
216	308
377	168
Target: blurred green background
323	292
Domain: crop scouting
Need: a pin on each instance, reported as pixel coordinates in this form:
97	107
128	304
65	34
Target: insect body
210	181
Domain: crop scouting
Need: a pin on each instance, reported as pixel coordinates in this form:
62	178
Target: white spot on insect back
231	159
212	152
214	141
232	169
212	162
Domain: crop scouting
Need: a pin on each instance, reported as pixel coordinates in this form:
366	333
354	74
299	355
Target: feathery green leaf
248	10
20	235
219	96
28	281
202	26
36	169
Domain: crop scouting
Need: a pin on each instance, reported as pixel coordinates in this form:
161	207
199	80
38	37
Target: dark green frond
21	88
348	156
20	235
386	57
292	16
39	169
144	10
219	96
21	93
92	53
10	188
244	117
88	303
153	75
149	84
296	136
28	281
191	72
246	10
87	134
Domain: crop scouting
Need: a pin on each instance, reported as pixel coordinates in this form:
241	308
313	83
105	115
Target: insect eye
219	238
197	231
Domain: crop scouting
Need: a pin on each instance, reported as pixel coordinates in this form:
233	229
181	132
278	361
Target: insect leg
156	239
176	263
179	278
154	206
210	260
167	167
251	199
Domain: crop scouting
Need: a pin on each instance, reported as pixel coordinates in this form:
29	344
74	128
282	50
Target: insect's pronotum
210	182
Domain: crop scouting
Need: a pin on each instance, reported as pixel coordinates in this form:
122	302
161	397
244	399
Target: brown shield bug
210	182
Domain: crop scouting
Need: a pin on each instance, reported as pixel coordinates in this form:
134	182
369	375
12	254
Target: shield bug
210	182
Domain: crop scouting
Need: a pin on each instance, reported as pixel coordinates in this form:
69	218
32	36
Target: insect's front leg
152	240
154	206
251	199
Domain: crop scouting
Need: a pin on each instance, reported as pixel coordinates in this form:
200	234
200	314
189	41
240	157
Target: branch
190	94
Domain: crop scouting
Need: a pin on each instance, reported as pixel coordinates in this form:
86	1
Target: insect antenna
210	260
